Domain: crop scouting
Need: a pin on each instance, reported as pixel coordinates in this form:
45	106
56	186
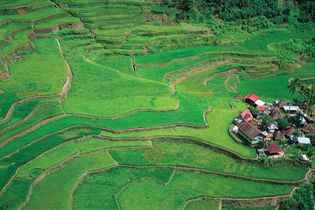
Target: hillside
110	104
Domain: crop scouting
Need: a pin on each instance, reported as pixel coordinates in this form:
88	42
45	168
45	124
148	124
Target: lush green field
203	204
174	194
120	105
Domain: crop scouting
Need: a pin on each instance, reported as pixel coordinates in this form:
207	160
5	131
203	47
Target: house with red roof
247	116
274	151
251	98
260	105
254	100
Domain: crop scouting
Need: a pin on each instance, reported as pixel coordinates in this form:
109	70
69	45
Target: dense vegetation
258	11
302	198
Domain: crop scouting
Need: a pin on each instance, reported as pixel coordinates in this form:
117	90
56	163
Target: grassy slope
104	85
30	77
203	204
56	156
170	153
190	185
49	195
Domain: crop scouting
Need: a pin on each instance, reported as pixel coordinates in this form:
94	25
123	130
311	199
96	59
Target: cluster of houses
251	129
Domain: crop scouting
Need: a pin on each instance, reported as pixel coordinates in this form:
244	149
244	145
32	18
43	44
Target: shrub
302	199
283	124
266	120
254	111
302	11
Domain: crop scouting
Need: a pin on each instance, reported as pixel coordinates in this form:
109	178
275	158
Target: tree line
233	10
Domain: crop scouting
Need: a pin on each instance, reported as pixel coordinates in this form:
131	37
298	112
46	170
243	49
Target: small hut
274	150
278	135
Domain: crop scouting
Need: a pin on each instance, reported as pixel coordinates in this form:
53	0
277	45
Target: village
275	128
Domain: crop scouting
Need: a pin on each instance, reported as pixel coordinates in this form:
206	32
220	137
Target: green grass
93	195
16	194
114	98
180	153
55	191
32	15
49	159
7	169
65	151
21	111
93	144
115	93
20	39
216	133
30	77
42	113
278	89
189	185
55	22
203	205
258	208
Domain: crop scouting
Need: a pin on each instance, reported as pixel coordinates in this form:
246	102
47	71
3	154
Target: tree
266	161
295	120
294	85
266	120
307	92
301	199
282	124
254	111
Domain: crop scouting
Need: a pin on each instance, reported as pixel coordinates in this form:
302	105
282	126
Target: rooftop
252	97
291	108
274	149
249	130
247	115
304	140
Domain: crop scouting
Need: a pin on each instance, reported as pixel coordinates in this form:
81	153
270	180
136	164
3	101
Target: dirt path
129	76
67	85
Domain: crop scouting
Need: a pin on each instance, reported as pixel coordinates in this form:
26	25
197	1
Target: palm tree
310	97
294	85
307	91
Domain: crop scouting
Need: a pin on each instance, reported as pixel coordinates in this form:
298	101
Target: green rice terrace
127	105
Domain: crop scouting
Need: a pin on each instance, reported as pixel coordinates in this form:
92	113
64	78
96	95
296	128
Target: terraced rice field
110	105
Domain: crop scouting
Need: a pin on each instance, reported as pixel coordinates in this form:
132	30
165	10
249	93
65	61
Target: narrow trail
66	87
129	76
